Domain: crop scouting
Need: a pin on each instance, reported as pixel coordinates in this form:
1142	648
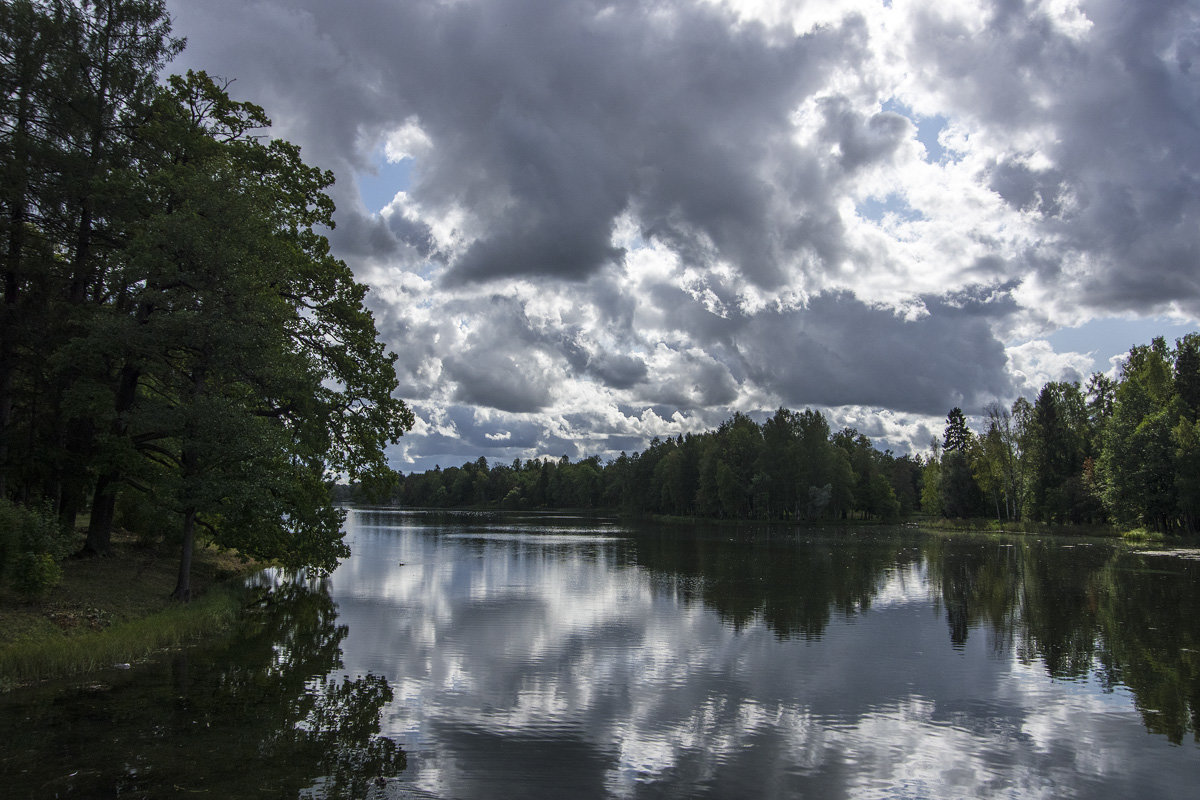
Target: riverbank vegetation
115	610
1121	451
1116	454
176	341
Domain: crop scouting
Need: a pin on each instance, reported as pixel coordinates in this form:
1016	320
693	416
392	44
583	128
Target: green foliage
957	436
931	488
35	574
1148	467
143	516
175	330
1058	451
960	494
31	545
1123	450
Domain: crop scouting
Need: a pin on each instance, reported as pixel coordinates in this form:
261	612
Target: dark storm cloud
503	330
495	364
549	118
692	382
614	370
619	371
1039	191
552	122
503	382
359	236
839	351
574	116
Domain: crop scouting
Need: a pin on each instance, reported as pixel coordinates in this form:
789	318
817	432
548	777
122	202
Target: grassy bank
114	610
1024	527
973	525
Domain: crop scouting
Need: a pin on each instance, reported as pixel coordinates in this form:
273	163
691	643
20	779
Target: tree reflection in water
1079	609
793	587
1127	617
263	715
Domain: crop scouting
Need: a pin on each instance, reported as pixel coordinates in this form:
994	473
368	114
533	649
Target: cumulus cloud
1034	364
1090	109
691	207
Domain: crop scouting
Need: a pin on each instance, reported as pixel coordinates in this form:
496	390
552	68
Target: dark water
548	657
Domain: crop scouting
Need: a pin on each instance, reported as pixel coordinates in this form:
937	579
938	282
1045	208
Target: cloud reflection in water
561	667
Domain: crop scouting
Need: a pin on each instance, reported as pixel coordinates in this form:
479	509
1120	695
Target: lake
503	656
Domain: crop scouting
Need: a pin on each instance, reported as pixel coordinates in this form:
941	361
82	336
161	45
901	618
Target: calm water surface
467	657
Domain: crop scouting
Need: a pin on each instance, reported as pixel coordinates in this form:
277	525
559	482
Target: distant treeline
789	467
1124	451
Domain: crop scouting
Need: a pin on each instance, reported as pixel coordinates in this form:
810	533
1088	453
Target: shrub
31	545
34	574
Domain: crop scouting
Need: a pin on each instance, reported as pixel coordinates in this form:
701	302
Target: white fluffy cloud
618	211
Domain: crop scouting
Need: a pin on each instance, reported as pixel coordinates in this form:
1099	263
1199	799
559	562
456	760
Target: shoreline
974	525
115	611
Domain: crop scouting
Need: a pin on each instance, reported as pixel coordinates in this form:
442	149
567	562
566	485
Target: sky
585	224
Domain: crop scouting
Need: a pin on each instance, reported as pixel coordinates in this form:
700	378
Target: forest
179	352
1123	451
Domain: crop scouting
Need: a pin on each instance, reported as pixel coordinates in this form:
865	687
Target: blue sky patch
1114	336
390	177
875	209
928	130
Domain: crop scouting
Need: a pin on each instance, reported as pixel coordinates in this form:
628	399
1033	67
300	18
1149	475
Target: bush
34	574
31	545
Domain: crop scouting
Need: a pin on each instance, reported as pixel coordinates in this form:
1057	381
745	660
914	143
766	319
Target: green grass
982	525
114	610
47	656
1141	535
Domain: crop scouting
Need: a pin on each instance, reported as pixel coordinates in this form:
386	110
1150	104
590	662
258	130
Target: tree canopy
174	332
1117	450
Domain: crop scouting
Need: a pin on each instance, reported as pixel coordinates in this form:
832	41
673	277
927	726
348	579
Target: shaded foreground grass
1027	527
114	610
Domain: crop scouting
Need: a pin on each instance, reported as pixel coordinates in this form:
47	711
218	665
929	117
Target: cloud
694	207
544	121
1034	364
502	383
822	354
1091	112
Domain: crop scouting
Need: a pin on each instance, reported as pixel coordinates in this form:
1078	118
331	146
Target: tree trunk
18	204
183	585
104	504
7	331
104	501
